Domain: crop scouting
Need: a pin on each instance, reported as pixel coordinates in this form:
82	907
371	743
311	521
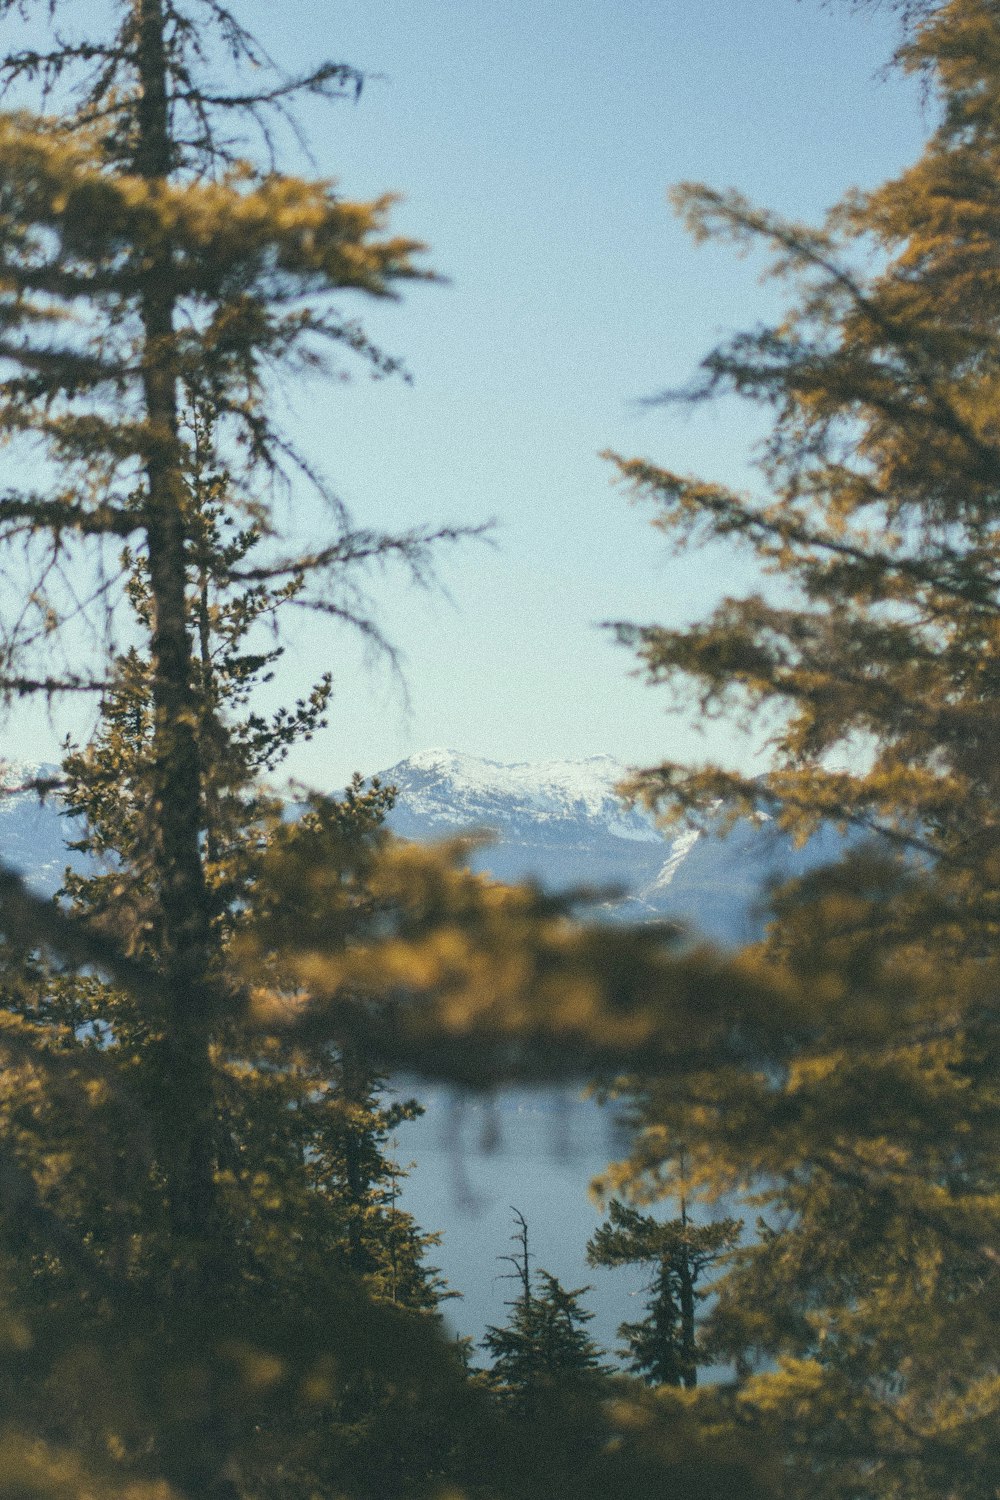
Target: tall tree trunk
185	926
686	1277
689	1364
354	1091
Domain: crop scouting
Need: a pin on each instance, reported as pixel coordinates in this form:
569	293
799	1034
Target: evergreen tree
863	1112
306	1184
664	1346
175	1182
143	258
302	1139
545	1347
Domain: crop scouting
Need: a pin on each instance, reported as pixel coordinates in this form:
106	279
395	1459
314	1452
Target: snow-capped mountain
563	823
560	822
448	790
34	831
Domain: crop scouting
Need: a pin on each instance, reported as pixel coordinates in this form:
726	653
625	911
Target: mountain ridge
564	824
560	822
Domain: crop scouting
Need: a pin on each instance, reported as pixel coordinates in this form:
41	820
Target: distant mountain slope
565	798
34	833
561	822
557	821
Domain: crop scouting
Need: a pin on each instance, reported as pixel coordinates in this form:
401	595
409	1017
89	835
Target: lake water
533	1151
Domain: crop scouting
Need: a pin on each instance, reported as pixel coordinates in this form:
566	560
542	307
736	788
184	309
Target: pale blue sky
534	143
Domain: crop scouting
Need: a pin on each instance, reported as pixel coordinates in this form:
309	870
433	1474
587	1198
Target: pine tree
305	1134
143	258
183	1308
306	1185
863	1113
172	1183
664	1346
544	1349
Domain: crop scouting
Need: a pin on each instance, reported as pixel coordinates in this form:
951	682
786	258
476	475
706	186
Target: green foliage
199	1219
307	1193
865	1126
545	1342
663	1346
544	1350
209	1290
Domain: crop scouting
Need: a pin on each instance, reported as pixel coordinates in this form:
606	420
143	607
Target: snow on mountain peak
449	787
17	775
680	848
